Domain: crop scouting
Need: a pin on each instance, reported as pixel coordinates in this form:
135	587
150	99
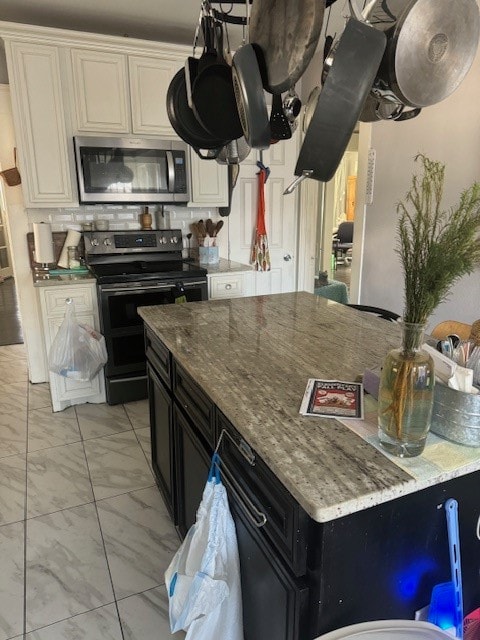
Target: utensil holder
208	255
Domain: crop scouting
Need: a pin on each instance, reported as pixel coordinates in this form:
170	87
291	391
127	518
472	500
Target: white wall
448	132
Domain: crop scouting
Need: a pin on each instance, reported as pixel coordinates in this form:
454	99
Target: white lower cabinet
230	285
53	302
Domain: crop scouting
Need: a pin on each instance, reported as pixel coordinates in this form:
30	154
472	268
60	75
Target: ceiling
166	20
162	20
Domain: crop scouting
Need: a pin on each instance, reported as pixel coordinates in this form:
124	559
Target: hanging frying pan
287	32
213	96
252	108
183	119
431	46
355	63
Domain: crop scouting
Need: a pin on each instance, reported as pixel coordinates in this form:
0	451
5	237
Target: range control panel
121	242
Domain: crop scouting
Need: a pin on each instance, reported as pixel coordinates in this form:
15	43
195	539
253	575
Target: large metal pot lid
432	48
287	32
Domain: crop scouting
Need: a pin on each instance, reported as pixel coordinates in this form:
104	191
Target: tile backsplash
121	217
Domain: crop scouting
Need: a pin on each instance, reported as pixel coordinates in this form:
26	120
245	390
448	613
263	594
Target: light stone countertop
226	266
64	279
253	357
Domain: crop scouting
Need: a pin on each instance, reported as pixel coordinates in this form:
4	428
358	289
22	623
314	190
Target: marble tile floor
84	535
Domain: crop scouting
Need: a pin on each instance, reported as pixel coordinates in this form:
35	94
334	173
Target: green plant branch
436	247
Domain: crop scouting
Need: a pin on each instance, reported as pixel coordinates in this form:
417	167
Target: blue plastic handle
451	509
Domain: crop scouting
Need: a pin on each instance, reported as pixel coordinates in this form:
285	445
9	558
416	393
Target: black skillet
355	63
213	97
250	98
184	122
287	32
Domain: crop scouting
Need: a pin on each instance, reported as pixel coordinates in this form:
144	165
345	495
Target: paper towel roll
72	240
42	236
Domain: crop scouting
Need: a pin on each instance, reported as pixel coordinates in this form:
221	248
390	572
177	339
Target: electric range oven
136	269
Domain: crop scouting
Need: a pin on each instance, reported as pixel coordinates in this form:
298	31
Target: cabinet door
192	467
149	81
39	116
161	428
274	603
101	91
209	183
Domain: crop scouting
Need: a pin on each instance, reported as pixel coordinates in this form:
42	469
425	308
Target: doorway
6	270
334	257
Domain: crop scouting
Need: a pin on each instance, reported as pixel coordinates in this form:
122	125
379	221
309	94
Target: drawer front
286	523
226	286
196	405
56	300
159	356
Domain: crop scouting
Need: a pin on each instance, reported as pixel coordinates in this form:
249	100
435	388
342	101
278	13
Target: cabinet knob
287	257
228	287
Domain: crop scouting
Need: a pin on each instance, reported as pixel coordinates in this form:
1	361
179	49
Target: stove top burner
141	270
130	256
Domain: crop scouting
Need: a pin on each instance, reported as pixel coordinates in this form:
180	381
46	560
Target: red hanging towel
260	253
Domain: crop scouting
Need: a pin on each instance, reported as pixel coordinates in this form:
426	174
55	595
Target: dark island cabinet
161	431
302	578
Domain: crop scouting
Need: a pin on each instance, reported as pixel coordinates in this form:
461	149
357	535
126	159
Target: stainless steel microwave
131	170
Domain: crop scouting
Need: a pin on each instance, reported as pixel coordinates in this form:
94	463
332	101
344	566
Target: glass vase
405	398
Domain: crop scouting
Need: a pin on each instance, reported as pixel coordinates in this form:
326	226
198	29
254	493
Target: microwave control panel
180	172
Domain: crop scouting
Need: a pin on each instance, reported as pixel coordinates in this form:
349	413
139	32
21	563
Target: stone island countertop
253	357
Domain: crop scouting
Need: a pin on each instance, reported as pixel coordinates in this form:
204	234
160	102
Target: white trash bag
203	579
77	351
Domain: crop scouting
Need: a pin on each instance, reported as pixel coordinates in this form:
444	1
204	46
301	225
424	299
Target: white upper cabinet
100	85
209	184
40	127
149	81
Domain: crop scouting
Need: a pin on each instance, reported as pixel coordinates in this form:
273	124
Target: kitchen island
320	512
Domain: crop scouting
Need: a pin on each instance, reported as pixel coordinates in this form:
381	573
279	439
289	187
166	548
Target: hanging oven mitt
260	253
179	293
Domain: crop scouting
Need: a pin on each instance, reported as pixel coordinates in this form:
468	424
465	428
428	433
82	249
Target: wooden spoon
210	227
202	232
218	227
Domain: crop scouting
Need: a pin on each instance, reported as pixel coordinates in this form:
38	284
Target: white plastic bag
203	579
77	351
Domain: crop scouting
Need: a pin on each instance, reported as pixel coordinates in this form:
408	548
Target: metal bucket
456	416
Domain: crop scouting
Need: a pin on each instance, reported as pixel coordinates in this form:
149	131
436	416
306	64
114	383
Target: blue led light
407	580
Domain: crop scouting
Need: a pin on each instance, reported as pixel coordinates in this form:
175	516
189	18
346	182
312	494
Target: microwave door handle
170	171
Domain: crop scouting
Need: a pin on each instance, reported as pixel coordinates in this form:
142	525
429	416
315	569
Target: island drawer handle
257	518
228	286
243	447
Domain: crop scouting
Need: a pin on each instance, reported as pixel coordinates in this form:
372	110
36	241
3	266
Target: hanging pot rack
218	14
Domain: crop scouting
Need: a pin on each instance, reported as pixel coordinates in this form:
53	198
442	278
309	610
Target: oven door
123	327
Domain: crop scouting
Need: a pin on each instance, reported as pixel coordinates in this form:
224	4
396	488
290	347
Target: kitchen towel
260	252
72	240
42	236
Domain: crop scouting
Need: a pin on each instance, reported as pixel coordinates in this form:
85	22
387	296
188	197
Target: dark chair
380	313
343	242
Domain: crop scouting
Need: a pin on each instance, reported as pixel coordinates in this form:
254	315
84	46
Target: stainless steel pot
431	45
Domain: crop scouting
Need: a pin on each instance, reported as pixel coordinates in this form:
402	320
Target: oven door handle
142	288
171	171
